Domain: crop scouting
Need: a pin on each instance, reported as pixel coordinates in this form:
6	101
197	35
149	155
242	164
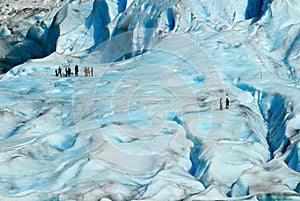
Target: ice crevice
276	110
195	149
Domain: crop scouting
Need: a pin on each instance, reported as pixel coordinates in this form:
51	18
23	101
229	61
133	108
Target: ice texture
148	124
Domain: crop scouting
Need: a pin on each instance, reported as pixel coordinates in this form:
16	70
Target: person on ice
88	71
85	71
56	72
69	71
66	72
92	71
221	104
76	70
227	103
59	71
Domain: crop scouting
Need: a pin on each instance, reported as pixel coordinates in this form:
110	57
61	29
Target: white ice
147	125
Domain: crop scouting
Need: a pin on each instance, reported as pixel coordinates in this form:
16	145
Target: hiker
59	71
221	104
88	71
227	103
69	71
56	72
92	71
76	70
66	71
85	71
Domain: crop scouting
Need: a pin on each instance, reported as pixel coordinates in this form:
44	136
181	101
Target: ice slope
149	127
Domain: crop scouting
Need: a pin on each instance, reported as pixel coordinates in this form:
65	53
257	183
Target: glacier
147	125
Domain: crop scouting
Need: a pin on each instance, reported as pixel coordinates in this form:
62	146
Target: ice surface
147	125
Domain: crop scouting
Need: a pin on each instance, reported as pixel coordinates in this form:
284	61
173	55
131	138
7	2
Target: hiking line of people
68	72
226	102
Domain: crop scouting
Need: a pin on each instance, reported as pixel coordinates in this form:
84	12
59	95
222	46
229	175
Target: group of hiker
68	72
90	72
226	103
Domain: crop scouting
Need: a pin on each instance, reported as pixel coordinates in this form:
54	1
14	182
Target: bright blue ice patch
170	115
194	80
208	125
198	79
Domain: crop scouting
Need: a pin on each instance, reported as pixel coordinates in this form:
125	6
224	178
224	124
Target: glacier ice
147	125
